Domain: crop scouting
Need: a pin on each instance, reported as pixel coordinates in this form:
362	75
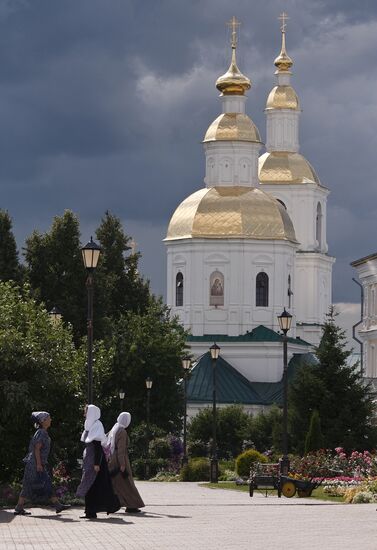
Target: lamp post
90	254
285	320
121	397
55	315
148	385
186	364
214	467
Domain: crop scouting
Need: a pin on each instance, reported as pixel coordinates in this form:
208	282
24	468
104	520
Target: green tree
55	270
118	286
344	403
314	437
266	430
9	265
147	344
232	429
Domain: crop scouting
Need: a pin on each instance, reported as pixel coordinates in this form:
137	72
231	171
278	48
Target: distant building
367	272
248	244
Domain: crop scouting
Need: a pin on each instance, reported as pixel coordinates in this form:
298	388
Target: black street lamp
186	364
90	255
148	385
55	315
121	397
285	320
214	466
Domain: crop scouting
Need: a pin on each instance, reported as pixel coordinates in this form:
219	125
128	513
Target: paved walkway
181	516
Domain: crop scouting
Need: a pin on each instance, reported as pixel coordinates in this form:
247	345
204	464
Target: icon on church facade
216	289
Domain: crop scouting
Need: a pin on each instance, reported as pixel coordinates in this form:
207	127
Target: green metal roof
233	387
258	334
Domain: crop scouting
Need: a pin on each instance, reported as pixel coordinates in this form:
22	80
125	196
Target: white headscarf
93	427
123	421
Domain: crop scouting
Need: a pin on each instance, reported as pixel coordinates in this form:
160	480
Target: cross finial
283	17
234	24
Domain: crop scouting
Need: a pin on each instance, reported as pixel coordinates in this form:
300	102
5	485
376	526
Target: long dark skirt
100	497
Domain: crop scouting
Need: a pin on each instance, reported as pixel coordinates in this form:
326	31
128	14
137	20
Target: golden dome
231	213
233	82
283	97
232	127
285	167
283	62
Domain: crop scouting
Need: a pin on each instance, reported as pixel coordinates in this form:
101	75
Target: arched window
216	289
179	290
261	295
318	225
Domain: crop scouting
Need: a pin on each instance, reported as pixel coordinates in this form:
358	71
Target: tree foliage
9	265
149	344
314	437
345	405
55	270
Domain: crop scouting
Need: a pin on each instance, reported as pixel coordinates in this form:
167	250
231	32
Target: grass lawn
230	485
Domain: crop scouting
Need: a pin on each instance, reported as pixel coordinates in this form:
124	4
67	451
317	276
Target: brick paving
181	516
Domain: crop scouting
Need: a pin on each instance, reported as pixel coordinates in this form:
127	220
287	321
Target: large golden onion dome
283	97
231	213
281	167
232	127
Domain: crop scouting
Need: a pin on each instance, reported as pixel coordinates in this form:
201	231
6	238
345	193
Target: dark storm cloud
103	104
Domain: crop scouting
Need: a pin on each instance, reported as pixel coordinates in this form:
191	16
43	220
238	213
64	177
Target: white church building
248	244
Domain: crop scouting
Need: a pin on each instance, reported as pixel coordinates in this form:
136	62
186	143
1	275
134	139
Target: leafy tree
266	430
56	272
232	429
119	287
9	265
344	403
147	344
314	437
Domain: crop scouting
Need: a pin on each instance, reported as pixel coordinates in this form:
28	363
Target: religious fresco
216	285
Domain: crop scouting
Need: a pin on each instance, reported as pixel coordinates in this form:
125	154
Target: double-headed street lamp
90	255
148	385
186	364
285	320
214	466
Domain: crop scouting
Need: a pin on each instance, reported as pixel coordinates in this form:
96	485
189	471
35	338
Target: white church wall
231	163
282	130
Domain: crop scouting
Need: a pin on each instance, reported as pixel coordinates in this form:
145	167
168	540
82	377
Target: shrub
228	475
155	465
160	448
197	469
197	448
363	497
246	459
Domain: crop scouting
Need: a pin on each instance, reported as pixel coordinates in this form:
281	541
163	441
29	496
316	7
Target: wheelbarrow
303	487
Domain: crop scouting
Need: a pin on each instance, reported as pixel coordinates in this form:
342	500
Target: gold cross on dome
283	17
234	24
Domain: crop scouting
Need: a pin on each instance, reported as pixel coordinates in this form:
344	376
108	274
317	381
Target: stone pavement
181	516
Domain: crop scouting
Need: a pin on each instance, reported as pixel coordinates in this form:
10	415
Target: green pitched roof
233	387
258	334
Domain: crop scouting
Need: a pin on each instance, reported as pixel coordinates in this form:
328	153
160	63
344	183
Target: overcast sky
104	103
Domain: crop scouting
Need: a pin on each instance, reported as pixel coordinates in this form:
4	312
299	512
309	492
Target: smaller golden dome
283	62
231	212
233	82
281	167
283	97
232	127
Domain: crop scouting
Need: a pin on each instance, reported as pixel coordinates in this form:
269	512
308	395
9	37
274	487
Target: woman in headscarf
36	483
120	467
95	483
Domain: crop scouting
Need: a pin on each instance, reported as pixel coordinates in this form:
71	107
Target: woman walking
95	483
36	483
120	467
